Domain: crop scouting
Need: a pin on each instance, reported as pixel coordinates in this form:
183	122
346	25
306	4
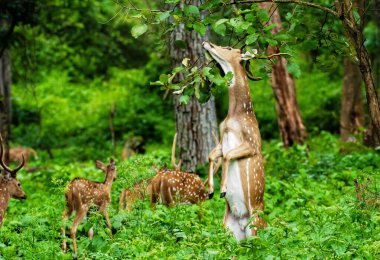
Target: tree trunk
289	119
5	100
351	113
371	94
194	121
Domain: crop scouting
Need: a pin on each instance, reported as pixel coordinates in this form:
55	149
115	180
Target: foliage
244	26
61	114
310	207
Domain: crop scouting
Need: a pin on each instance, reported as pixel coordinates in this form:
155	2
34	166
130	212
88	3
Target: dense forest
82	81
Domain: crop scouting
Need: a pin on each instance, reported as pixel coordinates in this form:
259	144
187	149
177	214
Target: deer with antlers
81	193
9	185
243	179
176	186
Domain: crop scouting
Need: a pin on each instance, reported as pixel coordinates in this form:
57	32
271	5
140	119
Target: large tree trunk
351	113
5	100
194	121
354	30
289	119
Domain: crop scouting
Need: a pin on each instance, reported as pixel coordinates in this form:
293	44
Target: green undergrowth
311	210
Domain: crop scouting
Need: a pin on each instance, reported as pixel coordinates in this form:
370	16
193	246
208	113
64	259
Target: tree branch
326	9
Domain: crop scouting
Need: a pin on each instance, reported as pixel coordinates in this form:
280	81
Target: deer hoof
210	195
222	194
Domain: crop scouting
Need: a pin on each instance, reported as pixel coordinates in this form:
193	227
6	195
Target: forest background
89	76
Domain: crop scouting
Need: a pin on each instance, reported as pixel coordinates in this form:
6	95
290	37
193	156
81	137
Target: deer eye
229	48
18	184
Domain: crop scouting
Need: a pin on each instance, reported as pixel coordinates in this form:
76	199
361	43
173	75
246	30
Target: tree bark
351	113
5	100
354	30
289	119
194	121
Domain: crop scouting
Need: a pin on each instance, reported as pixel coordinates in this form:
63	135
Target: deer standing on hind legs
243	180
81	193
9	185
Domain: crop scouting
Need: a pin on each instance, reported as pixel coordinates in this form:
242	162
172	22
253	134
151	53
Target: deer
176	186
243	180
16	154
10	187
140	191
364	195
82	193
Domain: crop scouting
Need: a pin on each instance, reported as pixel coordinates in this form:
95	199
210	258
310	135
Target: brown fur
240	124
81	193
172	186
9	185
140	191
16	153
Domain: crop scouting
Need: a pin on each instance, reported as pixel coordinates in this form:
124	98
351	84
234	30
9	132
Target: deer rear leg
78	219
65	217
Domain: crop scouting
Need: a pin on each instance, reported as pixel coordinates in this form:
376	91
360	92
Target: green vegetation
310	200
73	62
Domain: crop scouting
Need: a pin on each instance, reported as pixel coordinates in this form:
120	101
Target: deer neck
108	182
4	200
238	90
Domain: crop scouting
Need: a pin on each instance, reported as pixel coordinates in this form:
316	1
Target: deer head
8	176
109	170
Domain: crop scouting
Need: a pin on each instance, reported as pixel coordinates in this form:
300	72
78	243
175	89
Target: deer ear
100	165
248	55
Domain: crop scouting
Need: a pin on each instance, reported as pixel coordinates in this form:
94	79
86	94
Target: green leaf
281	37
251	38
192	10
250	17
271	41
164	77
184	99
263	15
138	30
294	69
221	29
163	16
200	28
221	21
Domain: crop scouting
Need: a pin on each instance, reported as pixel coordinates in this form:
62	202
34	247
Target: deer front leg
242	151
104	212
212	158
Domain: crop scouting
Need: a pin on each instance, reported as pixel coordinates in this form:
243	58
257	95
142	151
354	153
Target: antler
176	166
1	156
6	168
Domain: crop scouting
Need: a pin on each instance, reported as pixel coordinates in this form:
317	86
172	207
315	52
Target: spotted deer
82	193
16	154
242	182
176	186
364	195
140	191
10	187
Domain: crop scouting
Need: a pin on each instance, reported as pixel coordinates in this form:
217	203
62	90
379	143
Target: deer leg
65	216
122	204
212	158
242	151
78	219
104	212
